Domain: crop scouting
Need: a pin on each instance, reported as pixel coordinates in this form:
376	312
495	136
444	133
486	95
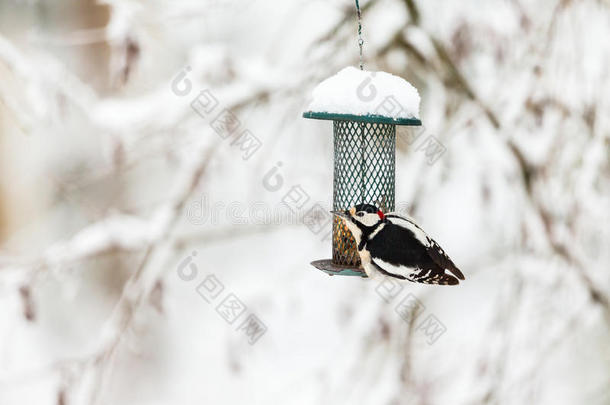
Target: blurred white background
110	180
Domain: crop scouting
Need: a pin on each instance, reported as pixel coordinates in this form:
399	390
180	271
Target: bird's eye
360	214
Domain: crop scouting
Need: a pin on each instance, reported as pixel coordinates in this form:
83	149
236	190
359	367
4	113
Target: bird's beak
340	214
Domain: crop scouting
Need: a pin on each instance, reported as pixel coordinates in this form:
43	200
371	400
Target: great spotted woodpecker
397	247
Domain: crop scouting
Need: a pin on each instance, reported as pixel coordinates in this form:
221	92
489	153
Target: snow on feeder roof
365	108
363	96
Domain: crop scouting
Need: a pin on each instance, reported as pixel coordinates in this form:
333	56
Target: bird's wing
415	275
440	257
409	223
433	249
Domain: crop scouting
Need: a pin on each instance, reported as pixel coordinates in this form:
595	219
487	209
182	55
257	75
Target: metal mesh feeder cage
364	172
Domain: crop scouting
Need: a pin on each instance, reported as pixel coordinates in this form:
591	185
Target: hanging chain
360	40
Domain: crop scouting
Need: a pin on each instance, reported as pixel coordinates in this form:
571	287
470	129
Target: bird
397	247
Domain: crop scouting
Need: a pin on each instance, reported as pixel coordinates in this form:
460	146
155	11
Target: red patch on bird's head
381	216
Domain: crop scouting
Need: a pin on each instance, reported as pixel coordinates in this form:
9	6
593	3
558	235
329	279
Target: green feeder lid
370	118
363	96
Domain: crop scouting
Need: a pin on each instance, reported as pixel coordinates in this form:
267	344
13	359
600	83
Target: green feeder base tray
328	267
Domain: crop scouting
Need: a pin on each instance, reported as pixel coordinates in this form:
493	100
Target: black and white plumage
397	247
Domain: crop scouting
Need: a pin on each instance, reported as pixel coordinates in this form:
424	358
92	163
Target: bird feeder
365	108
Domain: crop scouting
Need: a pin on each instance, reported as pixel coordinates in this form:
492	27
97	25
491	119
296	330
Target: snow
103	194
362	92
